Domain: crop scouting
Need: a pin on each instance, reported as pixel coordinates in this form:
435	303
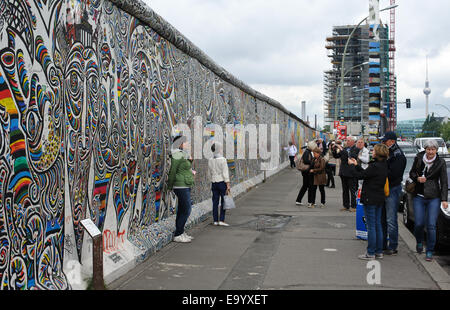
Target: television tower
427	92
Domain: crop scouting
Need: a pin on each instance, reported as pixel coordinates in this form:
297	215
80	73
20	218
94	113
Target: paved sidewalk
274	244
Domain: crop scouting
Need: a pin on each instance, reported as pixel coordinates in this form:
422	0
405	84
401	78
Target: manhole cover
268	222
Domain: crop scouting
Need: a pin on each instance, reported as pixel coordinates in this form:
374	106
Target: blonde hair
381	152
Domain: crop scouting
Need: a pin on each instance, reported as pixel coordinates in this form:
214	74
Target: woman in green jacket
181	181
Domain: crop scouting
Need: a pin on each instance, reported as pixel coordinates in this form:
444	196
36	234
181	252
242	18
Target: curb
436	272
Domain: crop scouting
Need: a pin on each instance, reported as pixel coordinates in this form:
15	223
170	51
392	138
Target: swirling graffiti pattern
89	96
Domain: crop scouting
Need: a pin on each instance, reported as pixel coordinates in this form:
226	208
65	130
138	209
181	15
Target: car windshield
440	142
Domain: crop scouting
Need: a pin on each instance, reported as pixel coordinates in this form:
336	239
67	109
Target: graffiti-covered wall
89	95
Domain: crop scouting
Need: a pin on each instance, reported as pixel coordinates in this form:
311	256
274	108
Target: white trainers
223	224
311	206
216	223
181	239
322	206
299	203
189	237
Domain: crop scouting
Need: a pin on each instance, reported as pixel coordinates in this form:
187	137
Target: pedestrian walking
429	173
181	180
396	167
220	179
373	198
319	178
308	179
292	153
349	182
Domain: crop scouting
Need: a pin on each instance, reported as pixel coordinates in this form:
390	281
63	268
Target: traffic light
408	103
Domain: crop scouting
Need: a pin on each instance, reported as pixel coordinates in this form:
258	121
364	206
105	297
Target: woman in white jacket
219	175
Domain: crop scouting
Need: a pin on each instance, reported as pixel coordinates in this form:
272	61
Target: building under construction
355	107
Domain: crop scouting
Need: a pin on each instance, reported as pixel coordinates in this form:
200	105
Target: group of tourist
381	186
380	180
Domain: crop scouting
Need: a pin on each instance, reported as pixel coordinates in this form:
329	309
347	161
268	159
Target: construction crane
392	76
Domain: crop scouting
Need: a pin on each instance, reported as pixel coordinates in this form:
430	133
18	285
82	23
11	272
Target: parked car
408	148
419	142
443	223
409	163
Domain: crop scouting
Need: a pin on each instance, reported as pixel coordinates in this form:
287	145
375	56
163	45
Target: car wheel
408	223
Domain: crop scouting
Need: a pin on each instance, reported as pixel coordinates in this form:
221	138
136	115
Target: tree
431	128
327	128
445	131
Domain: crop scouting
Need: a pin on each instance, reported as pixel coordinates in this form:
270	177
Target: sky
277	47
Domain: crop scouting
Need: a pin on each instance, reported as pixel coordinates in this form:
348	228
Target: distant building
410	129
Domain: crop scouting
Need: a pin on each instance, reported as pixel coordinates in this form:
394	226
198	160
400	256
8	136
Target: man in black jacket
349	183
396	166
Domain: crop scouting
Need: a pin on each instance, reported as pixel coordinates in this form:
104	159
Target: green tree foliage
445	131
431	128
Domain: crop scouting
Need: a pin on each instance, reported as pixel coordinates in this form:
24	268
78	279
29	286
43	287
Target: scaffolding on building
355	107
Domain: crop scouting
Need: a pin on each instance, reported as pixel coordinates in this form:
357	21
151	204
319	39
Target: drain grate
268	222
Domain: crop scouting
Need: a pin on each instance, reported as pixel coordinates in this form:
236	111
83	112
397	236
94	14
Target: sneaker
352	210
322	206
391	252
311	206
429	257
419	248
181	239
223	224
189	237
366	257
299	203
379	256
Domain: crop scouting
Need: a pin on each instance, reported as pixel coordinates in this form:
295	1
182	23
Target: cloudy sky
278	46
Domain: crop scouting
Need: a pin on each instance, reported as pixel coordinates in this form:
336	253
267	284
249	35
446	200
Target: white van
419	142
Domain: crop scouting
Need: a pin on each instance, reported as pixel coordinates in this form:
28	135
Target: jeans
374	230
349	192
218	190
184	209
426	211
390	214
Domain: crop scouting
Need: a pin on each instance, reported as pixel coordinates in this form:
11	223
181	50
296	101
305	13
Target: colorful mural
89	95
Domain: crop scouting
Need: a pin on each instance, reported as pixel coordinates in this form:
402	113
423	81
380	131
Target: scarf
428	162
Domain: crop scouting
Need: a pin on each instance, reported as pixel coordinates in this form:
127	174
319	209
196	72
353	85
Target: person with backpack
305	166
